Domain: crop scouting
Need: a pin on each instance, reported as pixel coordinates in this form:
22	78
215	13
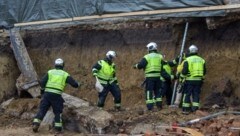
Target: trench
82	46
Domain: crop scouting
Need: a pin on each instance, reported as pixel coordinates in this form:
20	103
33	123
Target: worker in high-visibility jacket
152	64
181	78
194	70
105	73
53	84
166	88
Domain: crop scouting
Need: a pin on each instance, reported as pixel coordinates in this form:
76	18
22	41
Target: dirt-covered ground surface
82	46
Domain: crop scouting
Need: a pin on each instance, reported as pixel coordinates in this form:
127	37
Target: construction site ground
82	46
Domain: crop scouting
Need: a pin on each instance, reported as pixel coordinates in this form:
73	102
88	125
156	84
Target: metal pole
180	60
203	118
208	117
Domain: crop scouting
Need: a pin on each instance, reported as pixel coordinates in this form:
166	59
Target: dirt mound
82	46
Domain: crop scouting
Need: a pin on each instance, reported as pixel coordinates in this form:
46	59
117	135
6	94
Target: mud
82	46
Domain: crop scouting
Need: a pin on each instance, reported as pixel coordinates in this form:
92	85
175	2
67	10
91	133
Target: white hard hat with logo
59	62
193	49
151	46
111	54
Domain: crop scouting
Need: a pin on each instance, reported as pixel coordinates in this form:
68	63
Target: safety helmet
59	62
193	49
151	46
111	54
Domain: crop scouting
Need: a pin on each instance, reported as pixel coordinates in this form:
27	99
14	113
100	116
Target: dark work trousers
115	91
194	91
152	92
166	90
56	102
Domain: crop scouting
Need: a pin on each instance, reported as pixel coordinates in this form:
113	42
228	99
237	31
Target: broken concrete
88	118
28	80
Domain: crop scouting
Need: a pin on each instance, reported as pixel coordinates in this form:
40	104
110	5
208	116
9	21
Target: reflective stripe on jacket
56	81
195	67
153	67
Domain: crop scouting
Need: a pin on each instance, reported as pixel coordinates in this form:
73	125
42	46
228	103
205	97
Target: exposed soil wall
8	73
81	47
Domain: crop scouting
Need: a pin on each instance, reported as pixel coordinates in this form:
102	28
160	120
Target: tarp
18	11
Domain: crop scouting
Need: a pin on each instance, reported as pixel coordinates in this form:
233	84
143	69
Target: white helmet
152	46
111	54
193	49
59	62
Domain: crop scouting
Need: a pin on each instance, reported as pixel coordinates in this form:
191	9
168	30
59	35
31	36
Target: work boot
35	128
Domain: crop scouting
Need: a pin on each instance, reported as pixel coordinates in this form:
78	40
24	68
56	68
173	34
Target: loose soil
82	46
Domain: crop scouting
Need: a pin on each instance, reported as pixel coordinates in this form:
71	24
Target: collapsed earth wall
82	46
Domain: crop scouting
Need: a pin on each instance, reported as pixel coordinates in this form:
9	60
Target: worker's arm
142	64
204	69
174	62
72	82
44	80
185	70
96	67
114	79
164	73
43	83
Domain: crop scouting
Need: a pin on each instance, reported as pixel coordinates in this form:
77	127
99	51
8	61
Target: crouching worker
53	84
104	71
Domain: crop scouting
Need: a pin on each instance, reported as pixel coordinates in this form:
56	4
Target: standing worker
105	73
194	70
166	88
179	91
53	84
152	64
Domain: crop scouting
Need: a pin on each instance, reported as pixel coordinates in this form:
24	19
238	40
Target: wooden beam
44	22
153	12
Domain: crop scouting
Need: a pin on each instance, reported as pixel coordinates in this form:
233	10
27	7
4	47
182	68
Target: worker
53	84
194	70
152	64
166	88
105	72
180	77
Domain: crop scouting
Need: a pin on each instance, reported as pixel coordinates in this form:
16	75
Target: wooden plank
154	12
192	131
44	22
28	80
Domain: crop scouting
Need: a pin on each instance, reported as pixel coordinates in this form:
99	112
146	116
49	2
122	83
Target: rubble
220	89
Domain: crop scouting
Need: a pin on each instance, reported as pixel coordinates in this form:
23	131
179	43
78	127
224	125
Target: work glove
135	66
94	74
79	84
